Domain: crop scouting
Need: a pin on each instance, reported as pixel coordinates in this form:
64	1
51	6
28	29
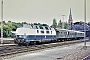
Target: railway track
15	49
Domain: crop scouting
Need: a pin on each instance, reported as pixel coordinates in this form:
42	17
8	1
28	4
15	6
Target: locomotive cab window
50	28
41	27
32	25
46	28
36	27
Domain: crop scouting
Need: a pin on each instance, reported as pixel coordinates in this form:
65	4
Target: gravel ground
79	55
70	52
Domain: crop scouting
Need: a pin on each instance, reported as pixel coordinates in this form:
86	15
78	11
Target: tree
54	25
4	22
24	22
9	24
14	26
59	24
65	25
6	30
8	27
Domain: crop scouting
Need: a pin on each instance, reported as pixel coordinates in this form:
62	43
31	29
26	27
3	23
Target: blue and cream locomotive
29	33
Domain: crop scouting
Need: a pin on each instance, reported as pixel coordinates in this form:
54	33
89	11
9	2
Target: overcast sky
44	11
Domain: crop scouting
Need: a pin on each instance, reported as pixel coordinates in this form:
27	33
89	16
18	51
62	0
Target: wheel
19	44
37	42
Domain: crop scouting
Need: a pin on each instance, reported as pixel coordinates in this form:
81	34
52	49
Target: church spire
70	16
70	20
70	11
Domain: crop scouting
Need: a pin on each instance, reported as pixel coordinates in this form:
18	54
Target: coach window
65	33
42	31
68	33
75	33
61	32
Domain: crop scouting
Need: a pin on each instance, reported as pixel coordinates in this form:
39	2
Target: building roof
79	27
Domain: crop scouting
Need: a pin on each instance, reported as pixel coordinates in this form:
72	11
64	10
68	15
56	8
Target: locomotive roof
32	26
25	25
59	30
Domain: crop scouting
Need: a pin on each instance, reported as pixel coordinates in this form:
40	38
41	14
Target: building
70	20
79	26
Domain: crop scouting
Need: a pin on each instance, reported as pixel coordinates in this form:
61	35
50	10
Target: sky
44	11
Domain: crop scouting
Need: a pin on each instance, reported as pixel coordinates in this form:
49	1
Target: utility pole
85	22
63	22
2	22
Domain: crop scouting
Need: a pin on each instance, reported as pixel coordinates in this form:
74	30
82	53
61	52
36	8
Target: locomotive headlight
24	40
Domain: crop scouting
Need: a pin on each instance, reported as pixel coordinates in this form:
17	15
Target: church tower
70	20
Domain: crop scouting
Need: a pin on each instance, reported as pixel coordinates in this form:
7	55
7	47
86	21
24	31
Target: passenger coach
65	34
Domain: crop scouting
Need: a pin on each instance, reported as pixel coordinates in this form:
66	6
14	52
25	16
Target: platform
7	38
6	44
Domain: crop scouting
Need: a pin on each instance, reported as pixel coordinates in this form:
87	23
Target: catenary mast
2	22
